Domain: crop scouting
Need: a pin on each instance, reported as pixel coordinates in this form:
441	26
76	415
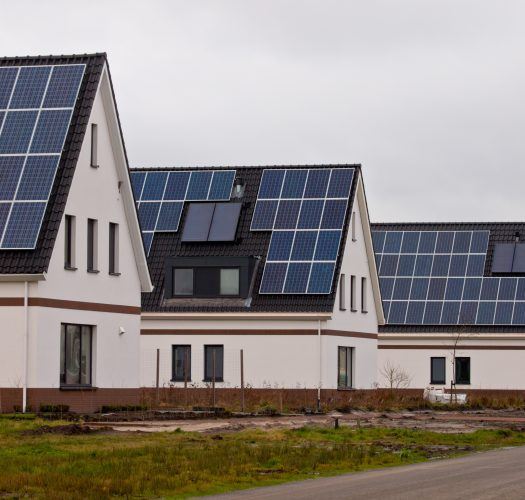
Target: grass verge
37	463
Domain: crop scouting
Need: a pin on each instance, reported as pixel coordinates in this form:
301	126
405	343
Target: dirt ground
452	422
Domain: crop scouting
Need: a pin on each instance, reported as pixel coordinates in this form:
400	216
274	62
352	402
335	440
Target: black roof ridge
53	56
231	167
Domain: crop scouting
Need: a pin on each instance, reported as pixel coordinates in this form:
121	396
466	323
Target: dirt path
435	421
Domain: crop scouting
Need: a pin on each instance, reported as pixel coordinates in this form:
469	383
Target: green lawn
179	464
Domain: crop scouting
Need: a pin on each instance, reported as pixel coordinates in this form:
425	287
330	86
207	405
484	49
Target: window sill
353	310
77	388
438	383
364	312
114	274
93	271
342	309
68	268
180	380
346	388
210	380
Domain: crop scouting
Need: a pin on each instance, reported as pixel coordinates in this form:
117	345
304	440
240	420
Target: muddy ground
452	422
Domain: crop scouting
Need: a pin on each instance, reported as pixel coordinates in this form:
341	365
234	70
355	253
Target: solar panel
36	105
437	277
167	191
305	209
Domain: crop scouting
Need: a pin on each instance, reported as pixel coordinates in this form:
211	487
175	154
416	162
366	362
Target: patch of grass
179	464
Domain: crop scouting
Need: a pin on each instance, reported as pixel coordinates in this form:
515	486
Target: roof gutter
22	277
236	315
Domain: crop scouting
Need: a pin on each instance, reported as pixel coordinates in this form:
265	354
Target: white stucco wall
94	193
489	368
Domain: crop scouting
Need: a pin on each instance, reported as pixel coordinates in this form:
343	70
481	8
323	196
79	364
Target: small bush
45	408
122	408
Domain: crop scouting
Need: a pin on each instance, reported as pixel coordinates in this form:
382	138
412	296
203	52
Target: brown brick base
82	401
10	398
254	399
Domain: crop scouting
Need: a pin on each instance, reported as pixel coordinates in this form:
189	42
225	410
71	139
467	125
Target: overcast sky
429	96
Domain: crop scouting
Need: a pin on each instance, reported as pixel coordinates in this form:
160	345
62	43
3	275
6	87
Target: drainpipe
26	345
320	367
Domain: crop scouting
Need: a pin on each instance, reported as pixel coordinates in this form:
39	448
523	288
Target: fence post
213	377
186	360
158	376
242	380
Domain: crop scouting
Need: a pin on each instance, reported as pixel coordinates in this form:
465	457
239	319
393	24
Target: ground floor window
213	363
462	371
181	363
437	371
75	354
345	360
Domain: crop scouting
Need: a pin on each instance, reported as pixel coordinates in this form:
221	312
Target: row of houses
113	279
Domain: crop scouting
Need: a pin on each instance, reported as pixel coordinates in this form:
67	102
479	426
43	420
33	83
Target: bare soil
446	422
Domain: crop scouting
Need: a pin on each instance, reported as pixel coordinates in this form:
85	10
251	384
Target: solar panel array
305	209
436	278
36	105
160	196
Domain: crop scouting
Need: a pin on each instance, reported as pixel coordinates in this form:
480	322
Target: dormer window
206	282
208	277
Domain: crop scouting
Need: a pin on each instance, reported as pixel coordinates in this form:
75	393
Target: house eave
269	316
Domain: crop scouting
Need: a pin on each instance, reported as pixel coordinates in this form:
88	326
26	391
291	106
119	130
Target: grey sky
427	94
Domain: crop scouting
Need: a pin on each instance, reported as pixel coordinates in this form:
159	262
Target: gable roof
36	261
248	243
499	232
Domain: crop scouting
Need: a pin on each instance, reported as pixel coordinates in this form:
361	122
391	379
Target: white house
274	261
454	301
72	263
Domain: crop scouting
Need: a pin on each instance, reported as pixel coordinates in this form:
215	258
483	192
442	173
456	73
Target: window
364	305
113	249
206	282
183	281
229	281
352	293
353	227
94	145
437	371
75	355
344	367
342	293
69	249
462	371
181	363
213	358
92	245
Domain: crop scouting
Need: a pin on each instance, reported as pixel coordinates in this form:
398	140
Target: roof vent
238	188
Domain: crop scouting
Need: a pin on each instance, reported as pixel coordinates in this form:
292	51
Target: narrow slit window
94	145
92	245
353	227
364	292
113	249
342	293
69	242
352	294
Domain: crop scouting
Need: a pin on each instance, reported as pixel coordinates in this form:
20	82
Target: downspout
26	345
320	367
